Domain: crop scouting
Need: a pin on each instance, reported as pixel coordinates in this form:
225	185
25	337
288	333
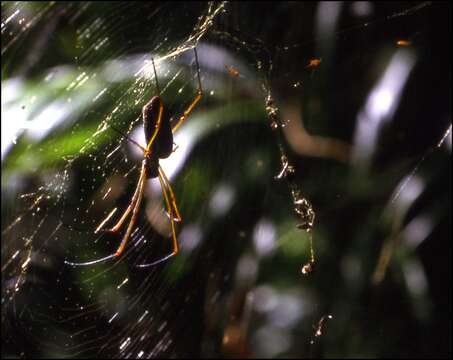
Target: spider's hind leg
172	199
123	218
136	208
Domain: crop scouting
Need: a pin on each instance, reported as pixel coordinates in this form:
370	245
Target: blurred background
313	179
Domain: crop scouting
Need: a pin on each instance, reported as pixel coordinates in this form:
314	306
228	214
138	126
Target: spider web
245	170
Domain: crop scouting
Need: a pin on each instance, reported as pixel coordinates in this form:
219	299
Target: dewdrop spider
159	129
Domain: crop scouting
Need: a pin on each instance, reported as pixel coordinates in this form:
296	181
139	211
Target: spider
159	128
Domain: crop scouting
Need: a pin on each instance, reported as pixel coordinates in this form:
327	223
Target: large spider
159	129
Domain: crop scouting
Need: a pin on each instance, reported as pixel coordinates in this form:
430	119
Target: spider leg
188	111
172	223
140	189
195	101
90	262
127	138
172	198
120	222
134	204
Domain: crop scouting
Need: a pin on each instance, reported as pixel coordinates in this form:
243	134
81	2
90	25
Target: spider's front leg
188	110
195	101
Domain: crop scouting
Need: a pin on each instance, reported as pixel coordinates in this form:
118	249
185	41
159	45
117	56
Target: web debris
302	207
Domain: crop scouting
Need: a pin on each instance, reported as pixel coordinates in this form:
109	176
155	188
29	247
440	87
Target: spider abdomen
162	145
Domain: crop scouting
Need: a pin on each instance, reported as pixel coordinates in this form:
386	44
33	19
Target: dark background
203	303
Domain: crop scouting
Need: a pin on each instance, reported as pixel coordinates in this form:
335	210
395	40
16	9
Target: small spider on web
159	128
